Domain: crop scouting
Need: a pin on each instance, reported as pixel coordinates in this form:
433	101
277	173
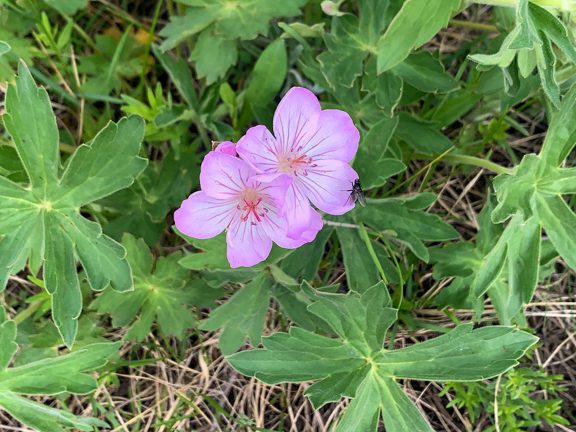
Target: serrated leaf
463	354
42	222
242	315
162	294
70	373
235	19
213	55
530	42
355	364
182	27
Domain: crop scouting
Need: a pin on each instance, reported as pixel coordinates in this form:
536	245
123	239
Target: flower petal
202	217
295	115
328	186
247	244
299	214
224	176
227	147
258	148
332	136
315	224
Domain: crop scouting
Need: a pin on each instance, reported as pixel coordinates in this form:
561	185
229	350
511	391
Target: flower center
251	207
294	163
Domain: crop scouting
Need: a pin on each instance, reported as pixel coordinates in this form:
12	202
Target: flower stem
467	160
474	25
372	252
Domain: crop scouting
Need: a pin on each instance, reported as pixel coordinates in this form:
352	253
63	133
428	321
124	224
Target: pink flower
234	198
314	147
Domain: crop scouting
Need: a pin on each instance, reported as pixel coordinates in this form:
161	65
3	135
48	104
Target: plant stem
28	312
467	160
372	252
474	25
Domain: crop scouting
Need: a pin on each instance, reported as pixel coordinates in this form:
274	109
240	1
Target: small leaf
162	292
242	315
213	55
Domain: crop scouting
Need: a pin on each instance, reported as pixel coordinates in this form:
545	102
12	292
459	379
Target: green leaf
423	71
4	48
559	222
182	27
363	412
242	315
414	25
7	340
530	42
162	293
361	273
524	260
92	174
67	7
354	364
422	136
44	418
404	220
213	55
70	373
231	19
561	136
42	222
304	262
463	354
399	413
494	262
342	62
37	141
373	163
180	75
268	75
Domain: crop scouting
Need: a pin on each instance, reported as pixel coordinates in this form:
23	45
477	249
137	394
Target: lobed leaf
42	223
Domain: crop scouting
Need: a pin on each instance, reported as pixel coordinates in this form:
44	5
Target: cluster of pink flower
261	189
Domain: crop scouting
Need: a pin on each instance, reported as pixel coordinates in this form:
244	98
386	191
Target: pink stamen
251	207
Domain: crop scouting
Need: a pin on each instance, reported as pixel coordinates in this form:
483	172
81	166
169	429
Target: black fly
357	194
